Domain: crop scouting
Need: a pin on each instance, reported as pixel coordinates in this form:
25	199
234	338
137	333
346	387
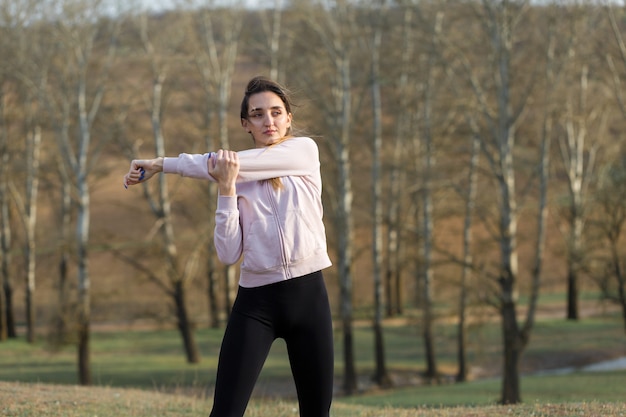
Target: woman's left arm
295	156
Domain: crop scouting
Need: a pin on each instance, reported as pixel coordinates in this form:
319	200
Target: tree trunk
574	159
214	315
512	350
427	273
88	106
508	278
229	278
84	302
618	90
64	259
461	338
176	277
345	275
501	27
399	299
345	230
7	321
337	32
5	228
84	369
4	334
572	294
466	271
211	275
615	213
381	376
350	384
544	177
27	208
32	187
8	293
185	326
30	291
393	277
82	228
621	281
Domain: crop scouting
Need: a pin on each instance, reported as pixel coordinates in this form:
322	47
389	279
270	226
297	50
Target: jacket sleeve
296	156
228	237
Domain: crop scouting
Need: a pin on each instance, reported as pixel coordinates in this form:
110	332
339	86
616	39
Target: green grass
153	361
26	400
576	387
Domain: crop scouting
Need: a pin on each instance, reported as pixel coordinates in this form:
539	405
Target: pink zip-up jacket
279	233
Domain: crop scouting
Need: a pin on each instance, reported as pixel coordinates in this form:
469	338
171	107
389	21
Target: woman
269	211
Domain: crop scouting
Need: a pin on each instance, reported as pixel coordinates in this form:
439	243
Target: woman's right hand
224	167
142	170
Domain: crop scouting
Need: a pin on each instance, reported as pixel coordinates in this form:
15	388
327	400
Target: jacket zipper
274	205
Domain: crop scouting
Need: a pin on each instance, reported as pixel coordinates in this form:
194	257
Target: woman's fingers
135	175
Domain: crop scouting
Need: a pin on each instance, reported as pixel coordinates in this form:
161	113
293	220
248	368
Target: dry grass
41	400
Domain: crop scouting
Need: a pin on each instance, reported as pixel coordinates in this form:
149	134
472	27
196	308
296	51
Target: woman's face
268	120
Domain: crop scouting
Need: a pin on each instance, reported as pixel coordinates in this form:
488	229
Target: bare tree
467	259
216	44
610	221
500	21
381	376
7	323
426	146
578	160
78	33
336	30
610	197
5	228
549	102
27	208
31	64
13	23
62	329
618	66
393	273
278	46
179	271
500	27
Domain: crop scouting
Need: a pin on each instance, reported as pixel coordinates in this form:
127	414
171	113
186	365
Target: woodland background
472	155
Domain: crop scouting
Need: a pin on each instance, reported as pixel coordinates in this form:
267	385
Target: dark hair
261	84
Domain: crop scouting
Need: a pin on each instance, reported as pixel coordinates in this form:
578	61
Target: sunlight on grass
583	387
27	400
154	360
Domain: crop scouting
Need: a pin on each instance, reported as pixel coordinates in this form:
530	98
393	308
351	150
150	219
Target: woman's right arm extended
295	156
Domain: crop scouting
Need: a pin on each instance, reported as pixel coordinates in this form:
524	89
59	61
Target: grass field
42	400
143	373
37	399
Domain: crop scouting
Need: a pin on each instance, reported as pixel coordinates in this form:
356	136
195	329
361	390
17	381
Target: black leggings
296	310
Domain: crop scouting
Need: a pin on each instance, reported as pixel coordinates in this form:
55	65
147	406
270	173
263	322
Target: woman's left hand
224	167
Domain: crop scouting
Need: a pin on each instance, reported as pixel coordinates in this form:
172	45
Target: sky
159	5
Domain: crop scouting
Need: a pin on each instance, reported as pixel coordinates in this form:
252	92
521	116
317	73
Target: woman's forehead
264	100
